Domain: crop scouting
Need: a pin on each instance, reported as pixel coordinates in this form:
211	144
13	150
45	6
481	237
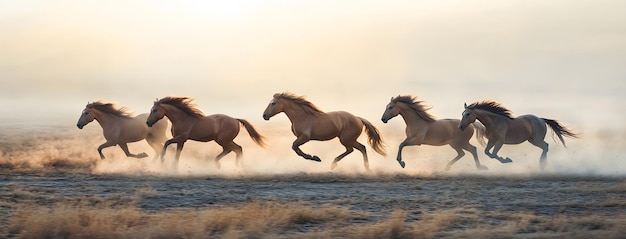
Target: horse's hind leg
239	152
124	147
156	145
360	147
543	160
227	148
459	155
349	150
472	149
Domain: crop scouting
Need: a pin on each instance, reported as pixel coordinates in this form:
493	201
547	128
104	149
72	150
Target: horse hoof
482	168
402	164
317	159
142	155
333	166
218	165
507	160
447	168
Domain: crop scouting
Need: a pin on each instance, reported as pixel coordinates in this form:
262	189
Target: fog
557	59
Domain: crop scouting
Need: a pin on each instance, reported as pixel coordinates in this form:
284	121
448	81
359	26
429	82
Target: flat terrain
55	187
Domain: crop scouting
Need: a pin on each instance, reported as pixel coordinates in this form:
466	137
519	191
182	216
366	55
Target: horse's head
391	111
274	107
86	116
156	113
469	116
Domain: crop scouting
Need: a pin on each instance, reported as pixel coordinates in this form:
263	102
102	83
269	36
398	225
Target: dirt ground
54	186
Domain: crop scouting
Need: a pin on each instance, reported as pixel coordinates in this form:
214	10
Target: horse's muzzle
461	127
80	126
149	123
384	120
266	117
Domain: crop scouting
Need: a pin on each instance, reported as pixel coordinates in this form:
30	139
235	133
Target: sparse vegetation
44	196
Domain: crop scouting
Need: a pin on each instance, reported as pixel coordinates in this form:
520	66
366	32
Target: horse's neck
412	118
489	119
106	121
176	115
296	114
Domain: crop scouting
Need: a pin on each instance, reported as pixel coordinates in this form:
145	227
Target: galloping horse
188	122
310	123
423	128
501	128
119	128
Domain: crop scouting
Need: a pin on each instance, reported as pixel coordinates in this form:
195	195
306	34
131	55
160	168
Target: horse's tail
560	130
481	133
375	140
256	137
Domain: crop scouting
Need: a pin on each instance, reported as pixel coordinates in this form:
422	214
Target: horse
120	128
188	122
502	128
423	128
310	123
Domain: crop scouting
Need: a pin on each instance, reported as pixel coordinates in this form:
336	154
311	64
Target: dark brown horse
188	122
310	123
120	128
502	128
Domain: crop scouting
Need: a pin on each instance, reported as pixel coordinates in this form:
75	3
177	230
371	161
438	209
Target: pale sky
559	59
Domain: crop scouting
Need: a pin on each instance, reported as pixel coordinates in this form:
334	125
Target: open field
54	186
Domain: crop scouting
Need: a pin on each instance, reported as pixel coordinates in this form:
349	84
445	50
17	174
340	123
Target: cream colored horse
120	128
310	123
422	128
188	122
502	128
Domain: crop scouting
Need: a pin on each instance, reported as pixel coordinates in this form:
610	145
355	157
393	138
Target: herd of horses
308	122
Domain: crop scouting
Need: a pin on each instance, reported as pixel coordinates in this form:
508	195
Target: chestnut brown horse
503	128
423	128
120	128
310	123
188	122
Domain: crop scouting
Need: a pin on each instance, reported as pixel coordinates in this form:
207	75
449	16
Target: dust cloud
63	149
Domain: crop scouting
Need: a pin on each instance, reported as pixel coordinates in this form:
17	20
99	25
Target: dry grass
36	213
251	220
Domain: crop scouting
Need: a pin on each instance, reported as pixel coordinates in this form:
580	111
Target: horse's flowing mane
491	106
182	103
308	107
416	106
110	109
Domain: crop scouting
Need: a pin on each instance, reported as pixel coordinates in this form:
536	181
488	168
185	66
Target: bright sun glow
213	9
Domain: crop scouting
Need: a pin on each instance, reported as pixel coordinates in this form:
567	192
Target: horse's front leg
296	147
496	148
105	145
167	143
179	149
124	147
406	142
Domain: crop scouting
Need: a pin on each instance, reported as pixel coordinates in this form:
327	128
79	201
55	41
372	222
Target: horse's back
445	131
523	128
332	124
216	126
345	119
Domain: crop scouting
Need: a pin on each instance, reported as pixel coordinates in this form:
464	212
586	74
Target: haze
557	59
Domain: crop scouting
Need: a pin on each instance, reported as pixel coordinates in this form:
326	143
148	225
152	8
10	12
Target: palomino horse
120	128
188	122
422	128
501	128
310	123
